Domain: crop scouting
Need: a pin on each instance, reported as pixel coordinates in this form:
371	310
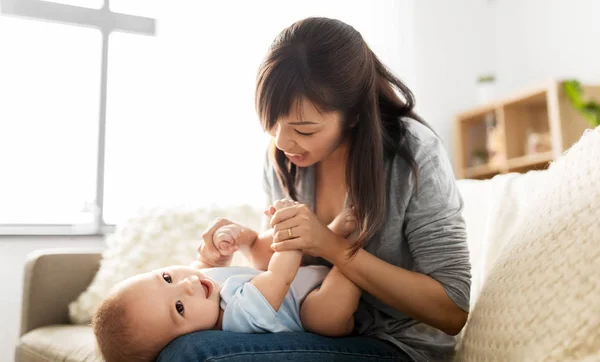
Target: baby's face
171	301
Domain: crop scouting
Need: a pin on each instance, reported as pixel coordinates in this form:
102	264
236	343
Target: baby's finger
226	248
208	235
270	211
223	237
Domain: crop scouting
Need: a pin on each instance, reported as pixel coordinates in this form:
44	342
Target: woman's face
308	137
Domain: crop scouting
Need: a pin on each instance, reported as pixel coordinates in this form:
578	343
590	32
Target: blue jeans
229	346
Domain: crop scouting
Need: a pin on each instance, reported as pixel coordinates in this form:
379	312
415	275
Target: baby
144	313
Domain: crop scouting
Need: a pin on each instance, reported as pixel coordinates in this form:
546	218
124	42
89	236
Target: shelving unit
541	110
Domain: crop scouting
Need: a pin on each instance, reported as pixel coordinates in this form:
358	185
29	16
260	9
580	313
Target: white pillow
152	239
541	298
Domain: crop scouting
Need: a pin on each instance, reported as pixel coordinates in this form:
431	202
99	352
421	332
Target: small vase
486	92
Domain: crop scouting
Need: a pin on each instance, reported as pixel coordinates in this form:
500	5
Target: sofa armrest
53	279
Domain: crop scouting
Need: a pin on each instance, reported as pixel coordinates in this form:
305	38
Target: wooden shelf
543	110
528	161
477	113
481	171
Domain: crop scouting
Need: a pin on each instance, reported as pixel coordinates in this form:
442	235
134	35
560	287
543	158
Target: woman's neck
335	162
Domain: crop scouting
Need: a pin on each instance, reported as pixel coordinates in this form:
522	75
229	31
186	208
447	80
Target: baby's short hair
119	339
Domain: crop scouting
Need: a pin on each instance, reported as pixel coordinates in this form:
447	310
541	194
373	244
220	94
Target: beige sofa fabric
54	278
541	298
69	343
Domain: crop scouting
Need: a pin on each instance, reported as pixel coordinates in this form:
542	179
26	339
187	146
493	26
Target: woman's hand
278	205
297	227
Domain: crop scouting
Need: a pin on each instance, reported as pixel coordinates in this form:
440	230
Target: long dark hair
328	63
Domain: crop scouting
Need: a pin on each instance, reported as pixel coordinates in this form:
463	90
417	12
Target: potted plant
486	86
588	108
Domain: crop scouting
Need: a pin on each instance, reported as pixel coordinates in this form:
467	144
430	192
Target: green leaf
590	110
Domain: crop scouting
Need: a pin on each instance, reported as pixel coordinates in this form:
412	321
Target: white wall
523	42
541	39
452	45
13	251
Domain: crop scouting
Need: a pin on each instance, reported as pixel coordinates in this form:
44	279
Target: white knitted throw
541	298
154	238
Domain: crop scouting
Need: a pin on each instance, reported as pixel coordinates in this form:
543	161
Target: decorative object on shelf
479	158
525	130
537	142
588	108
494	142
495	146
486	88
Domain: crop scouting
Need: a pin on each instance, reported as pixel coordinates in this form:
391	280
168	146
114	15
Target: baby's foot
345	223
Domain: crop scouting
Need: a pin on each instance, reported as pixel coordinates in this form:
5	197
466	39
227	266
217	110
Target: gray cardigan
423	232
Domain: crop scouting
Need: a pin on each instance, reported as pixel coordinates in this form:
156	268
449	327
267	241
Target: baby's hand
226	239
345	223
278	205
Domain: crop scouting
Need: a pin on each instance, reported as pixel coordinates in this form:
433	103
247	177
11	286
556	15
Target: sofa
534	241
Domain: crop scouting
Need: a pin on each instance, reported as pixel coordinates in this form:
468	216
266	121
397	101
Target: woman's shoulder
422	141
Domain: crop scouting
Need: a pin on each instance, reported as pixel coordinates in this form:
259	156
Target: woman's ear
354	121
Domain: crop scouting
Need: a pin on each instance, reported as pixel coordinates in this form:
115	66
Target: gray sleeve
434	227
267	187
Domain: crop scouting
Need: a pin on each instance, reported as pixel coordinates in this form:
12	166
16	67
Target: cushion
154	238
541	297
59	343
491	209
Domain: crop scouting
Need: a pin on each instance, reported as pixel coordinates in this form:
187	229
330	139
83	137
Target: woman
344	134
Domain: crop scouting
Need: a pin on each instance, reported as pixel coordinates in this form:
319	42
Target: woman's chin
304	164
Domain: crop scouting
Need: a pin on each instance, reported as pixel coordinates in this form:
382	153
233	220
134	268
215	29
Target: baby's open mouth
207	286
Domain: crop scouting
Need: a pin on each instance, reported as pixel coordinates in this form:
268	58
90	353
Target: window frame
106	21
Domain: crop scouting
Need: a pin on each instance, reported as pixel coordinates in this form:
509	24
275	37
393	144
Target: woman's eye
167	278
304	134
179	307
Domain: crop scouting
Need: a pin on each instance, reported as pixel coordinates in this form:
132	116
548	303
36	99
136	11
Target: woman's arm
437	291
415	294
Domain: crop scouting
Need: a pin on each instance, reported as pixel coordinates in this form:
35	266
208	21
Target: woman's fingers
286	213
290	244
284	234
286	224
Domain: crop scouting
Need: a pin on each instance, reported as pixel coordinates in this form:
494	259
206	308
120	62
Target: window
48	121
53	100
179	125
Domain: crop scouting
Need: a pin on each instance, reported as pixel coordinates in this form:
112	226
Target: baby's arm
329	310
275	283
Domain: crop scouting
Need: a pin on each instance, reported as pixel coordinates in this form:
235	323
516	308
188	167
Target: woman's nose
282	141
